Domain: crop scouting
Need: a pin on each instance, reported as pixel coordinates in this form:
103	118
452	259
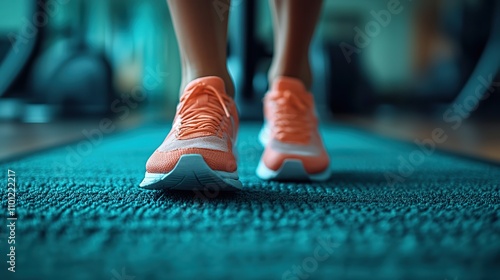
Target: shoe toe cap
165	161
312	163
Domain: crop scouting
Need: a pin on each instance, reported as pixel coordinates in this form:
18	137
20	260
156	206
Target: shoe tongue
202	99
213	81
286	87
287	83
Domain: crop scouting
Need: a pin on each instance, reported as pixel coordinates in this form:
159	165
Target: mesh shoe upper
206	123
292	127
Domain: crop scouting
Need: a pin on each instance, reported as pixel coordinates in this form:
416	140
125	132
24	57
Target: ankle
301	73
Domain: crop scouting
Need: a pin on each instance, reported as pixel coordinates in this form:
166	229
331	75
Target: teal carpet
90	221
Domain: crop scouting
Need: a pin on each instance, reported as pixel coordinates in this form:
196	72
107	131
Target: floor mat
390	211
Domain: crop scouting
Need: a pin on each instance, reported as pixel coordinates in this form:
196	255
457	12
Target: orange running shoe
293	146
198	151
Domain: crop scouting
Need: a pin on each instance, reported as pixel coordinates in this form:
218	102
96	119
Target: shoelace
291	118
206	118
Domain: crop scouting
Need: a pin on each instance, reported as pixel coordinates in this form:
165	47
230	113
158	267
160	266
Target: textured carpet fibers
83	216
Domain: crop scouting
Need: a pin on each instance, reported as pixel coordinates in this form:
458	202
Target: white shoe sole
192	173
290	170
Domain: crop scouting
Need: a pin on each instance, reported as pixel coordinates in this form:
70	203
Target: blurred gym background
67	64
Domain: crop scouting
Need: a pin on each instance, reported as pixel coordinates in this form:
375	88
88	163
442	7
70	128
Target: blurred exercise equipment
65	79
480	85
71	77
17	49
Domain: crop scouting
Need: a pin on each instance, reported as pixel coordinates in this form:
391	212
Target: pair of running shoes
199	151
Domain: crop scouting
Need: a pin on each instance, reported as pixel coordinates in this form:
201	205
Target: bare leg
294	24
202	35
